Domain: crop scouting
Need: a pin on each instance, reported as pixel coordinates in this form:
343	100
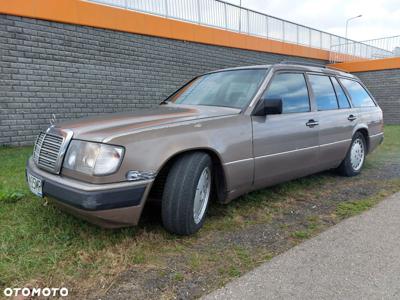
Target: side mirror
269	106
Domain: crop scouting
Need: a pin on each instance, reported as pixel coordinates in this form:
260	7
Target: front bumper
107	205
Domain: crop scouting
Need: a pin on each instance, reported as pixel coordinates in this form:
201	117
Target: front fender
229	138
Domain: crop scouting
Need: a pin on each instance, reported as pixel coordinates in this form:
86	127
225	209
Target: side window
358	94
342	98
292	89
324	93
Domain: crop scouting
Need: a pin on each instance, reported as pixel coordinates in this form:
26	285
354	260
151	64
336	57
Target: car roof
294	66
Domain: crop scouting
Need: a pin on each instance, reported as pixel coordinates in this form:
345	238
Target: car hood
102	127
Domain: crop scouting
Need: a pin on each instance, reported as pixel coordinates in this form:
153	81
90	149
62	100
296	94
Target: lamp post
240	16
347	25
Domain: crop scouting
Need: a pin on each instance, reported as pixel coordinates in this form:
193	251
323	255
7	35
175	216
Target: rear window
359	96
341	95
323	92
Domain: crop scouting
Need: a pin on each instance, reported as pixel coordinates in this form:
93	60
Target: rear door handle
311	123
352	118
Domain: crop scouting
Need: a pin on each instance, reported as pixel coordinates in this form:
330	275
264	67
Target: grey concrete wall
385	87
75	71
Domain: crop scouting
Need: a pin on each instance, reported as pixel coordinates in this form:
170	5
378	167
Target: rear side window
341	96
358	94
324	93
292	89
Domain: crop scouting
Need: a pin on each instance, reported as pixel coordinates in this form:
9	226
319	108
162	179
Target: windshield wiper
165	101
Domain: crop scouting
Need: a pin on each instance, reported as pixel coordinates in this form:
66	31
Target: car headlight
93	158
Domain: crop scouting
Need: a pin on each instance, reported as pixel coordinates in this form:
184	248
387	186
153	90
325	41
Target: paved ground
356	259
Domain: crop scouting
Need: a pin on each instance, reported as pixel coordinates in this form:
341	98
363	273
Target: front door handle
312	123
351	118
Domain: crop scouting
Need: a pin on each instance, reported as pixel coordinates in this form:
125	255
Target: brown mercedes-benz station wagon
223	134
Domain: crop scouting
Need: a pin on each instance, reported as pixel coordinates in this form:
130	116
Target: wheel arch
364	131
220	180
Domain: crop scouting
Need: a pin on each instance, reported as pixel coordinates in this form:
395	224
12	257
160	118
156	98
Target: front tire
355	157
187	192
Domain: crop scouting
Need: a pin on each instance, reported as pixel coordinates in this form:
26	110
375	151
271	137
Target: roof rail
311	64
337	69
304	63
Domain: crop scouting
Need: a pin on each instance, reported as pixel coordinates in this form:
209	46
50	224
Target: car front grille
47	152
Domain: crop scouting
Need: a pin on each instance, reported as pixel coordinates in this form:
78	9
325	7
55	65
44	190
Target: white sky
380	18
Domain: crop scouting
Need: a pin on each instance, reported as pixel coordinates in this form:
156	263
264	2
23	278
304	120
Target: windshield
226	88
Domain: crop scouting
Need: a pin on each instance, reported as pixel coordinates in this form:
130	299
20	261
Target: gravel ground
261	241
356	259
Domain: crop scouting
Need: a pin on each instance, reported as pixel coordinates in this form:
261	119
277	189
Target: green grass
43	246
301	234
389	149
349	209
178	276
312	226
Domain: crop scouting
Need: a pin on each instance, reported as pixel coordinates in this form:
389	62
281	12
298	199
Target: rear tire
187	192
355	157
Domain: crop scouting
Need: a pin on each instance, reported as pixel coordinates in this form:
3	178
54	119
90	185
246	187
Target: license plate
35	184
